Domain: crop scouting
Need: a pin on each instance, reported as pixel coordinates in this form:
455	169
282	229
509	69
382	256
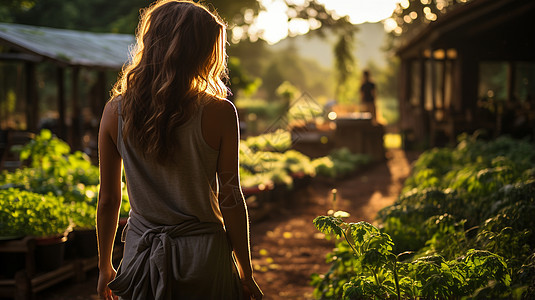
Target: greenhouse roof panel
71	47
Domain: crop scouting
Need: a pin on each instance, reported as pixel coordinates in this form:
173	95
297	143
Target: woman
187	235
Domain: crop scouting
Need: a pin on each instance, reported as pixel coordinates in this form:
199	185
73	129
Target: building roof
68	47
478	23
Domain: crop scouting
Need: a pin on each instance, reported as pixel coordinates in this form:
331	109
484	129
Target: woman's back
175	226
182	189
188	234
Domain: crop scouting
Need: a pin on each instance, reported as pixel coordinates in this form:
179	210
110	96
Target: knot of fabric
149	237
154	259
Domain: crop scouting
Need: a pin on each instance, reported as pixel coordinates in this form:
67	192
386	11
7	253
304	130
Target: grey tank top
176	192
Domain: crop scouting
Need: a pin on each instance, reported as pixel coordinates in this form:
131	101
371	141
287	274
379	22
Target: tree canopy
412	15
122	16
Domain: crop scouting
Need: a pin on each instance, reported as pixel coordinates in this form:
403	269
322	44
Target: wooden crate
27	282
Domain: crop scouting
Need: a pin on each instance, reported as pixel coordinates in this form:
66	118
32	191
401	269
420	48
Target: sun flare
272	23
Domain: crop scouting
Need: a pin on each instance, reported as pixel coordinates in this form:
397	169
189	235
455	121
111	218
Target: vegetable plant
479	195
463	226
363	266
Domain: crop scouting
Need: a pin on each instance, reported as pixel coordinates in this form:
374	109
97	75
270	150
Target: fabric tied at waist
155	259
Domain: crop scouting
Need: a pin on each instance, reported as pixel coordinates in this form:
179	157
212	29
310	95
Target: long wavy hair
180	57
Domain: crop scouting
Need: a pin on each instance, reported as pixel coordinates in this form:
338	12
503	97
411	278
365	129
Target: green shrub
277	141
53	171
26	213
363	266
487	191
340	163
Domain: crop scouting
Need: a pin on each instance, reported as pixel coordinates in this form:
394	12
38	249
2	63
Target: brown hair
179	58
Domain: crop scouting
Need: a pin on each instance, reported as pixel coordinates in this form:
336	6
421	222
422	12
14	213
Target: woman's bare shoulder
113	104
221	109
108	123
218	120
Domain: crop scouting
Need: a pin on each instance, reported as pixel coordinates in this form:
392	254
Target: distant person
368	94
168	122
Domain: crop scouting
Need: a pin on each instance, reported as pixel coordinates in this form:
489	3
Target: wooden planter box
258	201
29	281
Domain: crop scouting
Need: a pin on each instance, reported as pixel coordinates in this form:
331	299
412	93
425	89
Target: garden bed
29	280
55	194
286	248
462	227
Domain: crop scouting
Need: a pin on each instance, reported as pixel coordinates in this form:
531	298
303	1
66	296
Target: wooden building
67	54
472	68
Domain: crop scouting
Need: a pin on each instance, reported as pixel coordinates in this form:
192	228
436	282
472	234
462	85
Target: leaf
46	134
328	225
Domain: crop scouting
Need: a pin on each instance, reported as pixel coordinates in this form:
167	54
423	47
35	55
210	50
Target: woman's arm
109	200
231	200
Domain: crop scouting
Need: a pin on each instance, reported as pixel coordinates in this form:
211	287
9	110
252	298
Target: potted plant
299	167
53	170
24	213
83	238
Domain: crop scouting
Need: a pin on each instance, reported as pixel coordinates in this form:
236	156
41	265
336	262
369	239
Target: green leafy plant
26	213
339	163
277	141
479	195
52	170
363	266
268	159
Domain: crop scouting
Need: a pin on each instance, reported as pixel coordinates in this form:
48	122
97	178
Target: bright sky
272	22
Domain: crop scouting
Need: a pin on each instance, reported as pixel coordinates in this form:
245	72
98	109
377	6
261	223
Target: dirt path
287	248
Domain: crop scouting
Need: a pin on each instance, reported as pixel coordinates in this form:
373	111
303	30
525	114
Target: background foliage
121	16
463	226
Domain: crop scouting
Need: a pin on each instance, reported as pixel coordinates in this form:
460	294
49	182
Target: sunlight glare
360	11
298	26
272	24
292	13
314	24
237	34
390	24
248	16
297	2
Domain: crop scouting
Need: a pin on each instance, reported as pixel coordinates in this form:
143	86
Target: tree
411	16
240	80
121	16
323	22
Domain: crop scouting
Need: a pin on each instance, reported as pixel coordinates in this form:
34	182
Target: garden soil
286	247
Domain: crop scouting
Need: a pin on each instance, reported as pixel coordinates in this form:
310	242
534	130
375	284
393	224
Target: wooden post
421	102
404	87
456	94
76	122
424	116
469	80
511	78
443	87
433	79
60	81
32	103
3	90
102	93
23	286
